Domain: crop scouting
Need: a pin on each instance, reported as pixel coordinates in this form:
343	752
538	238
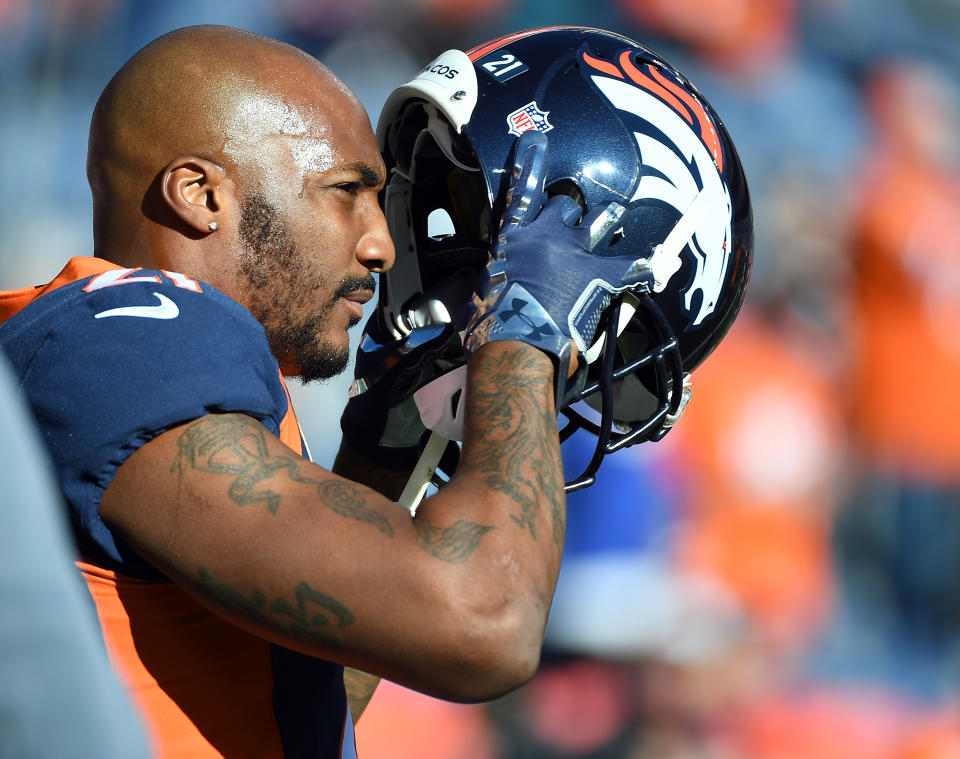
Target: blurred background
776	578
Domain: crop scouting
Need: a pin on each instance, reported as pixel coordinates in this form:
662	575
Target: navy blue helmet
622	125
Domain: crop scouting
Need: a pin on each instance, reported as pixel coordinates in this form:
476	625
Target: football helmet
623	125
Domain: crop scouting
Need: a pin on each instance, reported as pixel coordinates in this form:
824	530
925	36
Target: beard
273	269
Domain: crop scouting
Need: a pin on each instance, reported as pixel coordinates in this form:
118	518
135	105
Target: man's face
311	234
279	279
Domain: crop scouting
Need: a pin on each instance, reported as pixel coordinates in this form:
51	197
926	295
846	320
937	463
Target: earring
212	226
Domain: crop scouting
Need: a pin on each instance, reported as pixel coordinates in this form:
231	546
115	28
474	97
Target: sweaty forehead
316	124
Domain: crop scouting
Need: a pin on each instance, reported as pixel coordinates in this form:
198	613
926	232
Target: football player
237	228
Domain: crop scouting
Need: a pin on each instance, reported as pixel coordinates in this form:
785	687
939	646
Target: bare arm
453	603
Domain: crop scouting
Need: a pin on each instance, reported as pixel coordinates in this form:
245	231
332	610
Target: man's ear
193	190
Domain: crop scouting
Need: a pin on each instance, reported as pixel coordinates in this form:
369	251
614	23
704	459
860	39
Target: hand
551	273
381	421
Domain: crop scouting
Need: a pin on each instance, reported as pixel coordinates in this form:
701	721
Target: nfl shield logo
528	117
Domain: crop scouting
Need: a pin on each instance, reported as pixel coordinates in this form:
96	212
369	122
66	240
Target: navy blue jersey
110	362
107	363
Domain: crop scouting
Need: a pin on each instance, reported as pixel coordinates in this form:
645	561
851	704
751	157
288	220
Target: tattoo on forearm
515	487
348	501
303	621
454	544
558	511
233	444
505	391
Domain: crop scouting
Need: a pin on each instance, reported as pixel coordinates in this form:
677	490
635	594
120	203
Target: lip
354	301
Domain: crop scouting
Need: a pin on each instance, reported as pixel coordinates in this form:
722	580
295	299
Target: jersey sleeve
108	369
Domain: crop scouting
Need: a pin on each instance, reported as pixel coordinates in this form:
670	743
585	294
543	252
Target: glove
381	421
551	275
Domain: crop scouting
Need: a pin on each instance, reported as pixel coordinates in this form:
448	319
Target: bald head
214	93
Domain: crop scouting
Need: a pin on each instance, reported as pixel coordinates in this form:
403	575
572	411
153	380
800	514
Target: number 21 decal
504	67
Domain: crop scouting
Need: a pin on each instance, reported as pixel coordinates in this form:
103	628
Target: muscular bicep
260	535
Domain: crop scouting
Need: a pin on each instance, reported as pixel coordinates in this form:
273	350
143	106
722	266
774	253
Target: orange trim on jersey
707	130
641	79
12	301
205	707
159	639
603	66
488	47
289	426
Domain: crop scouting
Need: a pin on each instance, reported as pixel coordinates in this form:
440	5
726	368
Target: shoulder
133	336
161	296
149	310
107	363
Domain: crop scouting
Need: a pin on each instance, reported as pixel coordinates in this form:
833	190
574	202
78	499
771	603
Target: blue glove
551	274
381	420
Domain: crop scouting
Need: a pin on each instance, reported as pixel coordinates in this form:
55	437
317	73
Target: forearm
491	540
507	494
511	446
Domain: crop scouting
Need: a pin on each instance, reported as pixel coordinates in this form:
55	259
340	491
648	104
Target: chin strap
665	260
423	473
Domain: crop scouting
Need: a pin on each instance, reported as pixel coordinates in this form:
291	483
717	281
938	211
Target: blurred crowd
775	579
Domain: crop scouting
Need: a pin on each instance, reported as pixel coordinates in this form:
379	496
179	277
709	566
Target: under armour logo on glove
523	310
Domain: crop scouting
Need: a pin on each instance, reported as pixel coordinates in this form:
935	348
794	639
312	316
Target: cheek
333	237
321	266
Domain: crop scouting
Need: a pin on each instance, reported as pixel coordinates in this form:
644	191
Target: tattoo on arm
454	544
234	444
506	391
558	511
348	501
302	620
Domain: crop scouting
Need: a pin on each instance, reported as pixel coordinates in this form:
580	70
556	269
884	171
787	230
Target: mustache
353	284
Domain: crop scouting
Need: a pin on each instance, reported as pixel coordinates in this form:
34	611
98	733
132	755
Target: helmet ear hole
439	224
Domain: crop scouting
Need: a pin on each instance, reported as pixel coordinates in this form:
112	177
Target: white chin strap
441	411
423	473
666	261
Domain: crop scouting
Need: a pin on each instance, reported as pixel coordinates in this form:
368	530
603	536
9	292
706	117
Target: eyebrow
371	177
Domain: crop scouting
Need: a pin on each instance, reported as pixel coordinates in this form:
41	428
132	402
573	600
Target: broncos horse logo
683	163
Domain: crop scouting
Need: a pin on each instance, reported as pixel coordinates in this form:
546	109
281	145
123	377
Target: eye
351	188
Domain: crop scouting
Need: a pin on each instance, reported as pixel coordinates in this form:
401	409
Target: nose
375	247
